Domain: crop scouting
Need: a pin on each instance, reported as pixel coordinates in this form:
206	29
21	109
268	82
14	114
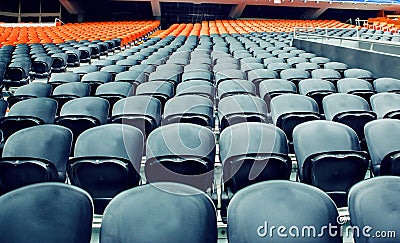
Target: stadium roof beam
73	7
155	7
313	13
237	10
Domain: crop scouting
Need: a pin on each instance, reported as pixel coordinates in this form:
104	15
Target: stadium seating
331	166
155	204
382	146
255	209
21	165
64	210
106	161
373	203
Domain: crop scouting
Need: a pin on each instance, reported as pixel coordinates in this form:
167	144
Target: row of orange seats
128	31
246	26
383	23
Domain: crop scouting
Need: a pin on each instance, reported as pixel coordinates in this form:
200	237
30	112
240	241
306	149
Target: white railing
309	32
361	22
353	42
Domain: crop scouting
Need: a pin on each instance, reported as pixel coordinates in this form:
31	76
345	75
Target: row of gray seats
252	216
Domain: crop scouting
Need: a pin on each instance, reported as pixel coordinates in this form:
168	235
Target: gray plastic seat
197	66
290	110
155	204
41	66
307	66
162	90
268	89
258	75
59	62
320	60
134	77
293	61
235	87
356	86
127	63
181	152
68	91
265	157
350	110
316	89
225	66
28	91
278	66
61	78
374	203
27	113
22	165
359	73
326	74
102	63
143	112
294	75
189	109
94	79
83	113
165	75
196	87
337	66
114	91
228	74
85	70
241	108
331	160
269	60
113	70
107	161
146	68
254	209
386	105
387	85
383	146
64	210
175	68
197	75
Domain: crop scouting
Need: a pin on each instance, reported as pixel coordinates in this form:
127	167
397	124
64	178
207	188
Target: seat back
107	161
383	146
181	152
28	214
373	203
189	109
255	209
143	112
265	156
28	113
350	110
290	110
387	85
386	105
170	201
23	164
316	89
331	160
28	91
241	108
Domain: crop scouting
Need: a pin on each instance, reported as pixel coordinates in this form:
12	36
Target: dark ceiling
171	12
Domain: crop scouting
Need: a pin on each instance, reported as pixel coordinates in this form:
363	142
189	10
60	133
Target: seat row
252	216
232	27
127	31
107	158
